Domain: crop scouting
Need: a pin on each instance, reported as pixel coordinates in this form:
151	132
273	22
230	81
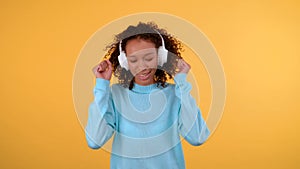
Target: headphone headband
162	41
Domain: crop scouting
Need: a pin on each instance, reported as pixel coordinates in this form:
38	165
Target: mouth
144	75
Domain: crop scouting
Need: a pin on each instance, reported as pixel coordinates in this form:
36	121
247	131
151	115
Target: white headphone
162	54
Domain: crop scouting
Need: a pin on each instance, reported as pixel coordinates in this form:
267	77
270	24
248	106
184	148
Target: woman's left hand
183	66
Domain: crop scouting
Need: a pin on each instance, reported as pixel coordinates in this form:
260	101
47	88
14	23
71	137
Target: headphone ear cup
162	55
123	60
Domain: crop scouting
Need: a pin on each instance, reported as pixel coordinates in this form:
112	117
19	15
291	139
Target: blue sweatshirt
147	122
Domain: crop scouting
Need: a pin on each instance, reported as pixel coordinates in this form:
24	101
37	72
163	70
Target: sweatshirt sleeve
101	118
191	123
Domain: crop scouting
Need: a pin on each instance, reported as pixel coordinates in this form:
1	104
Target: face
142	60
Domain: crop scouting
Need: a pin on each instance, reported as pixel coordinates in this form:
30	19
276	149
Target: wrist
102	83
180	77
102	77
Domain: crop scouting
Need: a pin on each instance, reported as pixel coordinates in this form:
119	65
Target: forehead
139	45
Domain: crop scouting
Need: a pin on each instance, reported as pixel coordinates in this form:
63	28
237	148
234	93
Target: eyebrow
147	54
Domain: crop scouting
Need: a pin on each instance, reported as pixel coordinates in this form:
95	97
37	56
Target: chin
144	82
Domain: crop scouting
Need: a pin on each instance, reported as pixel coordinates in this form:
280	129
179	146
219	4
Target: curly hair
145	31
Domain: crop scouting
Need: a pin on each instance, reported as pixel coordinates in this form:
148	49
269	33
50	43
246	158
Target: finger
108	62
183	62
95	68
104	65
100	68
109	65
179	63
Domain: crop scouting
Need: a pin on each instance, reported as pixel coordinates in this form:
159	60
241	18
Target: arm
191	125
101	119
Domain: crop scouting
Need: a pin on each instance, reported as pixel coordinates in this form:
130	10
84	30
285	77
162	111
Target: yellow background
258	44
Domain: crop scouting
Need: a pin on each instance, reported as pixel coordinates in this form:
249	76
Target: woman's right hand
103	70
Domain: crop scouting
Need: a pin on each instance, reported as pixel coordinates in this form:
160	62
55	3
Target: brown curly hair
145	31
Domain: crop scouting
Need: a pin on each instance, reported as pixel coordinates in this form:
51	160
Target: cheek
133	68
152	63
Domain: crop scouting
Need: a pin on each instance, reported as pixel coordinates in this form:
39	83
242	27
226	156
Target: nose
142	65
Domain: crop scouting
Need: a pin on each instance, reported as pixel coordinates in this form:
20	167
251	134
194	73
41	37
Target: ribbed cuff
180	78
102	84
183	88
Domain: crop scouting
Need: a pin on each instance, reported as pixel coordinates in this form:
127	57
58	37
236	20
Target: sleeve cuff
182	88
180	78
102	84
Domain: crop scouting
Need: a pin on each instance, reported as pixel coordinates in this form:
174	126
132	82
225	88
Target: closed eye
148	59
132	61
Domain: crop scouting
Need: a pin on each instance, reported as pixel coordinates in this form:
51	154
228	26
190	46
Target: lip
144	75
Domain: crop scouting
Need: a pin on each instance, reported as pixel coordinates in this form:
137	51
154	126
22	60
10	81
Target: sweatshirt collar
144	89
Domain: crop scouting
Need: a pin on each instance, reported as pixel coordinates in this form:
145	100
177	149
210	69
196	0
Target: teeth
145	74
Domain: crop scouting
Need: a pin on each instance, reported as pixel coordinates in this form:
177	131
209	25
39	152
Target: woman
146	114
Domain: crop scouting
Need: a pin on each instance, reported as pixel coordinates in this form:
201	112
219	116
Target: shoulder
169	87
118	86
118	89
